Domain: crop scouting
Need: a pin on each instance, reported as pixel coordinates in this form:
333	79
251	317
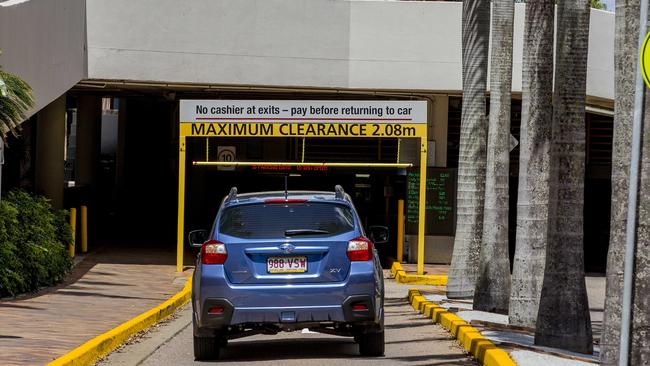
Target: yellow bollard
84	229
400	230
73	228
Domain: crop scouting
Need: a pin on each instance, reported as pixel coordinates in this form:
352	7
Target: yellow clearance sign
301	129
273	118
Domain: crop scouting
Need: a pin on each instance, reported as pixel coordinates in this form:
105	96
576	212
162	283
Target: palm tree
640	339
534	155
493	286
563	320
15	101
625	68
472	153
597	4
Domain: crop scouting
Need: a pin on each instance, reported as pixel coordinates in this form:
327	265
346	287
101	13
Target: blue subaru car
285	261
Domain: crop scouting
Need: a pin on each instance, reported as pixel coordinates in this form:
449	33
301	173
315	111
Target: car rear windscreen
274	220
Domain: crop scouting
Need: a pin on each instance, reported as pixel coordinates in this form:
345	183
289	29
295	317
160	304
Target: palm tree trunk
563	320
626	53
493	286
534	156
463	271
640	345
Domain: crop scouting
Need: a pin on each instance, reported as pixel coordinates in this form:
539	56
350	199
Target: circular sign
645	60
226	154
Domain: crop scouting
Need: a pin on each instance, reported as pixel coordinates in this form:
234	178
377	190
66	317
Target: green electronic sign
440	201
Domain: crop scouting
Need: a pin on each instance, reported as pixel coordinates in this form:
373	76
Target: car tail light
359	307
213	252
216	310
282	200
360	249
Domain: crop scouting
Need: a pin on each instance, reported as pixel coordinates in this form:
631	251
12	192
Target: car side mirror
379	234
197	238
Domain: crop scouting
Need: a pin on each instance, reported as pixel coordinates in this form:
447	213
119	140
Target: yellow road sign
645	60
301	129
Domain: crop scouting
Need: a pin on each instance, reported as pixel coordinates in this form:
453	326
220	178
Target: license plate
286	264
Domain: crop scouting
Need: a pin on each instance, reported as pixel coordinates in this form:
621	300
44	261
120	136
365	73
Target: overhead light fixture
362	175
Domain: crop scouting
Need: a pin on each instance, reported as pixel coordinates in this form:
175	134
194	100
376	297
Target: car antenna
340	193
286	187
233	194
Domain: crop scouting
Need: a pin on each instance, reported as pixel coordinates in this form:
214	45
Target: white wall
405	45
43	42
600	61
317	43
269	42
408	45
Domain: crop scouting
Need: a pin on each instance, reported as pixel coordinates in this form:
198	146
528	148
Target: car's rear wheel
372	344
206	348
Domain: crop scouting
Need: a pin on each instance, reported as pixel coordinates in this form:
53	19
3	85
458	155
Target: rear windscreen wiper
304	232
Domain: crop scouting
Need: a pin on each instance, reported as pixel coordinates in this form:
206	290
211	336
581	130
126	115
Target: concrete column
50	150
438	133
121	147
89	119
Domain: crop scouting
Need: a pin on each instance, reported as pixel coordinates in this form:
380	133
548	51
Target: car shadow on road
329	348
260	350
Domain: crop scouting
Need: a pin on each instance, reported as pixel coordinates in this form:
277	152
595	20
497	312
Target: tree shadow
99	294
17	306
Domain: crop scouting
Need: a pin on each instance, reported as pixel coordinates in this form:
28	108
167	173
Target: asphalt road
410	340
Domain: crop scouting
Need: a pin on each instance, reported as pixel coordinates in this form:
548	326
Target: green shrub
33	244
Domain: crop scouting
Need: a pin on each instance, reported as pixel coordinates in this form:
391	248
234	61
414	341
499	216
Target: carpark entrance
224	120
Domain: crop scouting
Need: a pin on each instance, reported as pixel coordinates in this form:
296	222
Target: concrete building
107	76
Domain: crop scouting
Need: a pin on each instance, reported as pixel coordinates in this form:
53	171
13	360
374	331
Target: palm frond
15	105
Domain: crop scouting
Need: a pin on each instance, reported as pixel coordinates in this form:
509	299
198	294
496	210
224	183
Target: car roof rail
339	192
232	195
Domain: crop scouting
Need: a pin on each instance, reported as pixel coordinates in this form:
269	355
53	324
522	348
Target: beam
341	165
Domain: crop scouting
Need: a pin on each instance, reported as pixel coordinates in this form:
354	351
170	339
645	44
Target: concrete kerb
469	337
91	351
402	277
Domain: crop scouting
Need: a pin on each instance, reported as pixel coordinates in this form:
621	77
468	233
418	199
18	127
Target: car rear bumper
231	315
285	304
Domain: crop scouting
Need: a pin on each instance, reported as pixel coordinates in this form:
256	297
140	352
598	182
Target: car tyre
372	344
206	348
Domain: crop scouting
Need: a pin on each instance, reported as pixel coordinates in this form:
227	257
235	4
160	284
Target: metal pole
73	229
84	229
400	231
630	232
422	204
180	229
207	149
